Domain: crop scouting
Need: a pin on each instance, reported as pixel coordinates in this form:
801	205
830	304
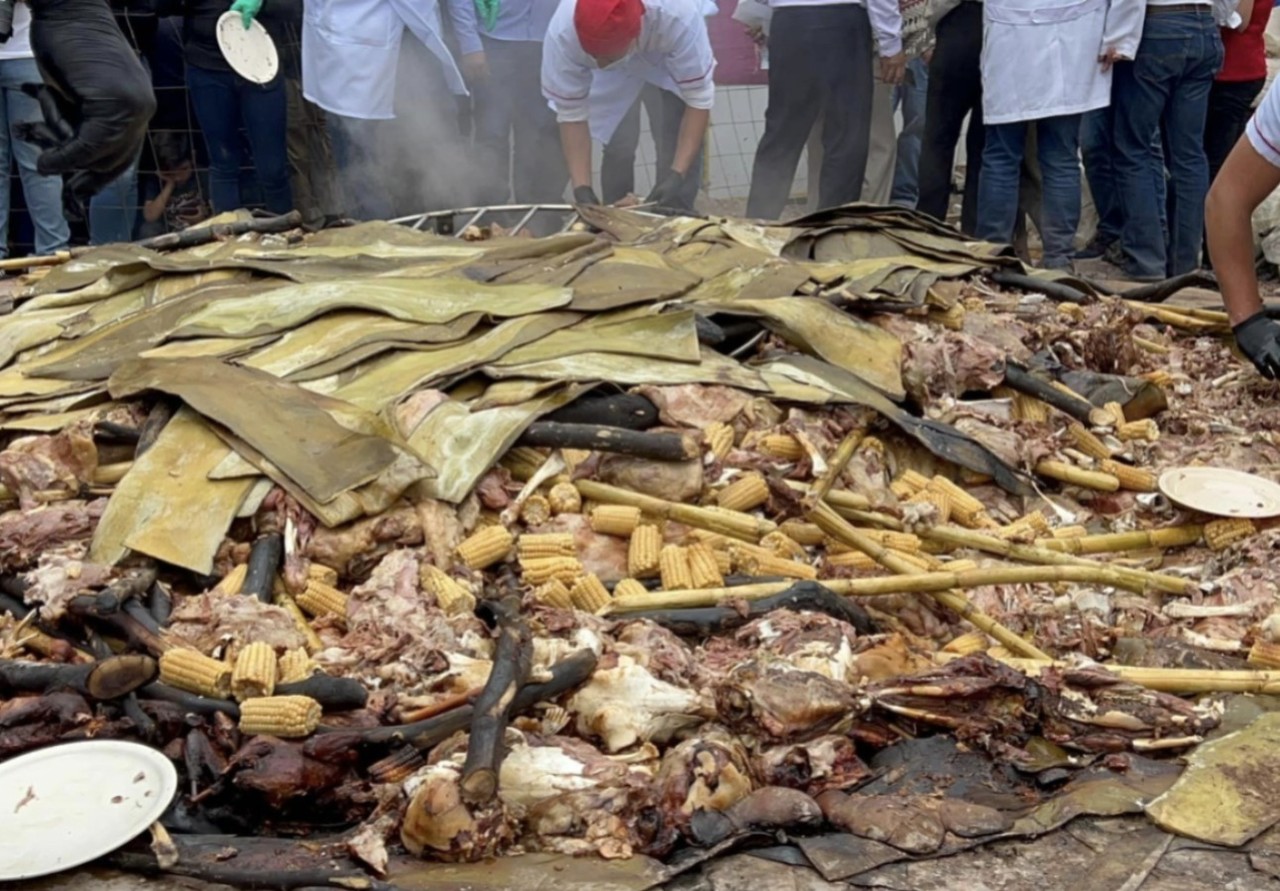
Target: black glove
585	195
668	193
1259	338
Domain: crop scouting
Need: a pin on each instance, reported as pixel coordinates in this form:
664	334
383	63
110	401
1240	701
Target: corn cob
715	540
1038	522
615	519
321	600
1029	408
770	564
673	563
193	671
536	510
451	596
780	544
1160	378
1087	442
747	492
294	665
589	594
724	562
719	438
807	534
940	500
1145	429
855	560
836	546
283	716
322	574
952	317
1132	479
1218	534
1116	411
629	588
554	544
872	444
1264	655
255	672
959	566
902	491
564	499
783	446
643	552
1073	311
485	547
543	569
554	593
912	480
1070	532
523	462
961	501
233	581
704	571
1076	476
973	642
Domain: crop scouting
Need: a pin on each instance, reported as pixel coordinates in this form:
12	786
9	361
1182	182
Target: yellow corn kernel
321	600
485	547
564	499
808	534
553	544
855	560
294	665
589	594
872	444
747	492
780	544
783	446
1037	521
973	642
323	574
770	564
941	502
523	462
1160	377
1218	534
233	581
615	519
959	566
539	570
1085	441
1265	655
704	571
536	510
195	672
1133	479
673	564
724	562
554	593
912	480
1029	408
643	552
1116	411
255	672
453	598
1073	311
961	501
952	317
902	491
719	439
1145	429
629	588
1070	532
283	716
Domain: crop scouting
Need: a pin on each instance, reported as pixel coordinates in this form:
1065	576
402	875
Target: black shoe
1096	249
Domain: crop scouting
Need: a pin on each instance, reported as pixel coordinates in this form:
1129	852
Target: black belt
1181	7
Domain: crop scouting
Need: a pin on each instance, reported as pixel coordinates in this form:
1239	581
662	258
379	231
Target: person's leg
954	89
1230	105
1057	147
618	162
540	172
43	193
113	211
813	165
298	146
882	148
1097	148
975	142
355	154
669	108
216	104
998	182
846	126
796	61
263	108
1184	118
493	109
905	175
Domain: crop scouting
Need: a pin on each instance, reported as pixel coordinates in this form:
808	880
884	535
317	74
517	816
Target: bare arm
154	209
1244	181
1246	12
575	141
693	128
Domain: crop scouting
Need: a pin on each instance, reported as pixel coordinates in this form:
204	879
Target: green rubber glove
248	10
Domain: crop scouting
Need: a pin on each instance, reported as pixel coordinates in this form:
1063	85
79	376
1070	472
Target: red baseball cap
607	27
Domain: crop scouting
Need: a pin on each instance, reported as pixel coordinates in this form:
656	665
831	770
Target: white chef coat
1263	129
525	20
885	16
673	52
1040	57
351	50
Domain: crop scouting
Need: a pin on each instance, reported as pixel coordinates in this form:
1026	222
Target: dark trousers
819	62
1230	106
955	92
515	130
665	111
224	102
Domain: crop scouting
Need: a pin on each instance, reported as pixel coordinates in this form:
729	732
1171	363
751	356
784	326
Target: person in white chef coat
597	58
350	55
1049	62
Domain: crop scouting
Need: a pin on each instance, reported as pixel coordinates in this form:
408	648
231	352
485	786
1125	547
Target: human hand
475	67
757	35
1110	56
585	195
248	10
667	192
1259	339
893	69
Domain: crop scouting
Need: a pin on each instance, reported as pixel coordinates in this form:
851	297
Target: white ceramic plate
1222	492
65	805
250	52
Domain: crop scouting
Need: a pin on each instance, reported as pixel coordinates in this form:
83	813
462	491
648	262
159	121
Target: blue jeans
43	193
911	94
1166	84
224	102
1097	150
355	155
113	212
1057	144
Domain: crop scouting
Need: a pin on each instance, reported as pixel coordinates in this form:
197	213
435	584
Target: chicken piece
808	641
26	534
626	704
613	822
354	548
212	621
60	576
660	651
695	405
603	555
826	763
440	825
535	770
710	771
35	464
775	700
281	771
679	481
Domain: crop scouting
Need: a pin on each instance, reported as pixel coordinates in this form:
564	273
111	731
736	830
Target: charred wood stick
205	865
512	661
333	694
802	596
142	722
444	705
157	419
160	603
137	610
627	410
264	566
111	432
1055	290
707	331
197	705
1158	292
110	678
1022	380
198	235
599	438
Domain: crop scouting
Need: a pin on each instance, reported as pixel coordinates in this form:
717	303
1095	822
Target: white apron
615	90
351	50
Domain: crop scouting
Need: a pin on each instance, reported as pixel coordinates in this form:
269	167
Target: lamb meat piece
538	768
494	489
60	576
62	463
26	534
695	405
679	481
209	621
604	555
442	530
280	771
610	821
439	824
353	549
807	641
709	771
659	651
822	764
938	362
777	701
625	704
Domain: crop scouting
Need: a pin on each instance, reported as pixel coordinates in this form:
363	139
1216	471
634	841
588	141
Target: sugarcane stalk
1182	681
734	524
1077	476
1177	318
838	528
1137	580
1118	542
839	461
512	661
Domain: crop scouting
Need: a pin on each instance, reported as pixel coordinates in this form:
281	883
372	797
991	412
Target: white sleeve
886	26
690	61
1263	130
565	83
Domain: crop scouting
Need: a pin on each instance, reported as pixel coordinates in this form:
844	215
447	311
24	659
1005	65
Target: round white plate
66	805
250	52
1222	492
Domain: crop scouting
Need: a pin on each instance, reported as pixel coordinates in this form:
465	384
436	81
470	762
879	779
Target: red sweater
1246	51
